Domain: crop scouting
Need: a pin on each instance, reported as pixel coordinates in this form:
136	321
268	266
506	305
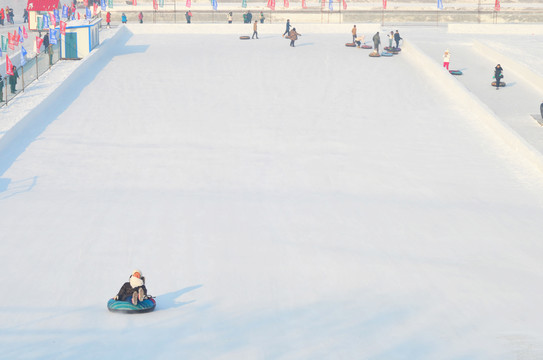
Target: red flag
39	41
11	41
9	66
63	28
16	38
53	19
344	5
497	5
271	4
134	2
25	35
155	4
95	7
285	3
86	3
385	4
304	6
78	16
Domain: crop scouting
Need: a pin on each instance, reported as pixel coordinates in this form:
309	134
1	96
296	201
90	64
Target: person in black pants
498	75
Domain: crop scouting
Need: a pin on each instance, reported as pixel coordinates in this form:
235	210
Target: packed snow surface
283	203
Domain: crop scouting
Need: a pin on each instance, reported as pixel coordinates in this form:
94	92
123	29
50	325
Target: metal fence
28	73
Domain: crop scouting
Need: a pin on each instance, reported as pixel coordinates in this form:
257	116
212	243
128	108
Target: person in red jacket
108	19
2	16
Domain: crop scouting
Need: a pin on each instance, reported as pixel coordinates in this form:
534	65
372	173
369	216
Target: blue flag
52	36
73	16
57	16
89	15
64	11
45	21
215	4
0	56
103	5
23	54
440	4
330	5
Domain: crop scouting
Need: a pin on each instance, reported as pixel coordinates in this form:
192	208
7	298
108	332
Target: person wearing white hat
446	59
134	289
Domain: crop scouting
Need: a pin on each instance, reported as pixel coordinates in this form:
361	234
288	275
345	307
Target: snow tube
244	37
393	48
541	109
455	72
374	54
366	46
386	54
127	307
350	44
502	84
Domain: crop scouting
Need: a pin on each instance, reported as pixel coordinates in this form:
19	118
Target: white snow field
283	203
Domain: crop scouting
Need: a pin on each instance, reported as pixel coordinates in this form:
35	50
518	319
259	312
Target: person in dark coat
188	16
498	75
376	41
397	38
1	88
287	31
13	80
134	289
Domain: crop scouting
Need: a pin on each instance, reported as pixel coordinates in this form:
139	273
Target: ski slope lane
293	203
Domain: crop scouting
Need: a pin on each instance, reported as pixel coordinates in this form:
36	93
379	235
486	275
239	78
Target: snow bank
243	29
509	29
511	65
463	96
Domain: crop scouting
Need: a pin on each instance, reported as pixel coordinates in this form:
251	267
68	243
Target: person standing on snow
293	36
446	59
498	75
13	79
397	38
390	39
287	31
140	17
255	28
376	41
134	290
353	31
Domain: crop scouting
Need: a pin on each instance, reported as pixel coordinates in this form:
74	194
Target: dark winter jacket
127	290
376	39
397	37
498	72
13	78
46	41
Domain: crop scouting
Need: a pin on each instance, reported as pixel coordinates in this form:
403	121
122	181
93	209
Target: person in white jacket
446	59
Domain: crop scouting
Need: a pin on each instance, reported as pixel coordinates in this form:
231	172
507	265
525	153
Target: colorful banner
134	2
52	36
215	5
440	4
497	5
304	5
331	5
94	8
64	11
88	14
188	4
155	5
53	20
384	4
344	5
103	5
57	15
39	42
271	4
9	66
285	4
23	54
63	28
10	41
45	21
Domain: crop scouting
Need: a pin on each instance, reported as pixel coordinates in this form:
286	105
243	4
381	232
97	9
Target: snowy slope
283	203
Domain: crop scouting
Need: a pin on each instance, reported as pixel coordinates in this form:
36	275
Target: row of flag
439	5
